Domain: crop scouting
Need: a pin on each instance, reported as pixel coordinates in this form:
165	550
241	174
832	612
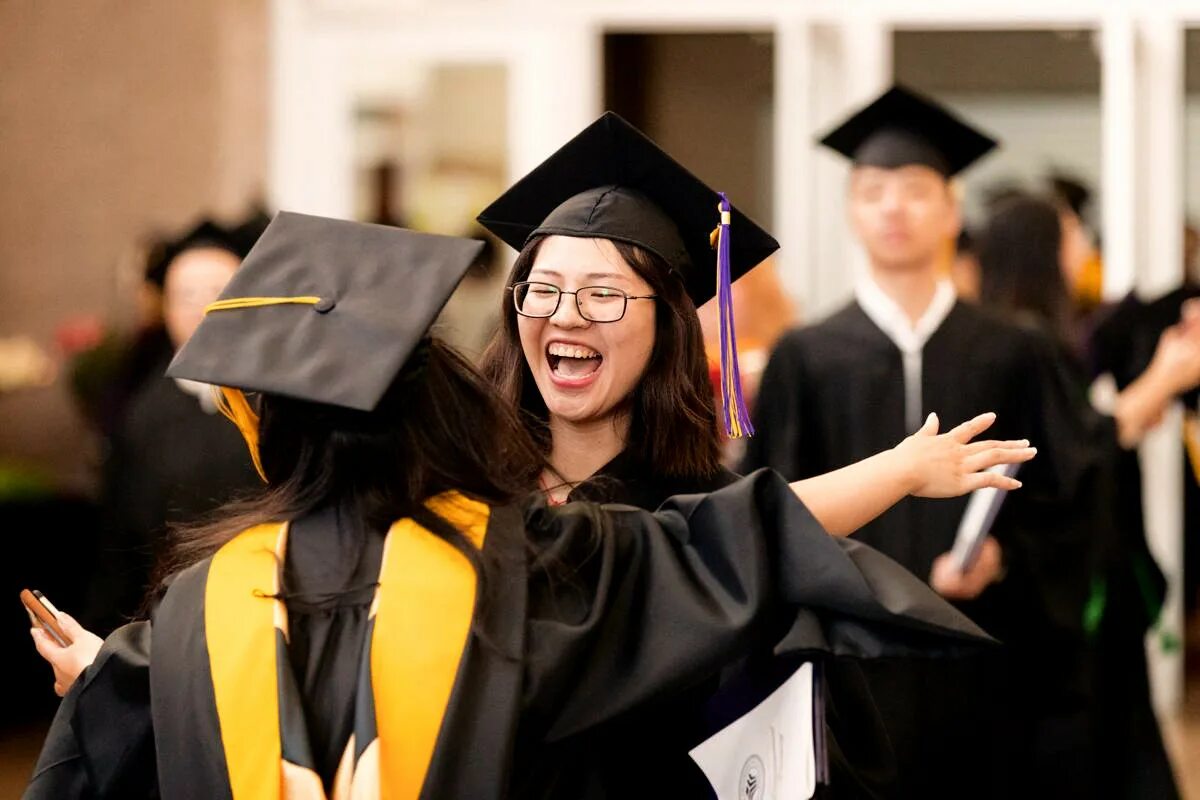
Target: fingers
70	625
930	428
945	578
47	648
948	581
974	448
1190	313
973	427
998	455
991	480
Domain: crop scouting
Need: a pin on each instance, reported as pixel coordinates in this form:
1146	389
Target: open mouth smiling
572	362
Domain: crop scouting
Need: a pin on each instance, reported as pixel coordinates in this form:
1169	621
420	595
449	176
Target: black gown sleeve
101	743
626	605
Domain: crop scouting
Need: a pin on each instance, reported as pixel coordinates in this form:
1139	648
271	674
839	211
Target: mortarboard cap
325	310
902	128
612	182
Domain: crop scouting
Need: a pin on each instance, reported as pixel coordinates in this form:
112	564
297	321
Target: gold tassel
236	408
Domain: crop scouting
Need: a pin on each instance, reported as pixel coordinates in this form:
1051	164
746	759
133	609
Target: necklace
550	499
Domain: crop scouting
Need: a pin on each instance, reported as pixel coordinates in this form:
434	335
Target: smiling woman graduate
389	618
601	348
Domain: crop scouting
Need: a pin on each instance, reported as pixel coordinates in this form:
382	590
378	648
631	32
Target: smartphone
43	614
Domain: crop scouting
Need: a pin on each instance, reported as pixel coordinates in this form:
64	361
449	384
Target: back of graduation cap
322	310
612	182
902	128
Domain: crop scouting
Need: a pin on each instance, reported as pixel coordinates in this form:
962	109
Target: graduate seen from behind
872	373
1024	277
601	348
390	618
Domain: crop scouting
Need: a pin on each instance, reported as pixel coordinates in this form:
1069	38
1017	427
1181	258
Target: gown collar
892	320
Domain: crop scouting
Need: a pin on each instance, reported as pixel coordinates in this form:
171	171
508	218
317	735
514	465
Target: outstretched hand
950	464
69	661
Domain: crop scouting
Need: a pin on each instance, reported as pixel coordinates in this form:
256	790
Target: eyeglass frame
578	305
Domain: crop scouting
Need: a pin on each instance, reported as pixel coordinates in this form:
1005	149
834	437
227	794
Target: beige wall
707	98
116	118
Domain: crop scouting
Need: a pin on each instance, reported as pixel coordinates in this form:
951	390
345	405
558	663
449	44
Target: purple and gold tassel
737	418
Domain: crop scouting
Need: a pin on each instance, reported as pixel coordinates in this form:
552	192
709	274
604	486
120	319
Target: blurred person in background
964	269
867	377
1082	263
171	457
1025	258
1120	341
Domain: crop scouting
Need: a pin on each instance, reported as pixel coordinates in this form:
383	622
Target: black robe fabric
1130	746
645	754
833	394
1120	342
587	615
169	462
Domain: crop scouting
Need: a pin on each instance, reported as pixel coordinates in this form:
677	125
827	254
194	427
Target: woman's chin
569	410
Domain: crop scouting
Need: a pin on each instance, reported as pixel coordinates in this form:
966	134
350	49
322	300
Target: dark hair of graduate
673	421
440	427
1021	273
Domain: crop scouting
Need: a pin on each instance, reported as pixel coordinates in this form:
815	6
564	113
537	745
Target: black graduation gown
588	615
833	394
646	753
1121	343
1130	747
170	462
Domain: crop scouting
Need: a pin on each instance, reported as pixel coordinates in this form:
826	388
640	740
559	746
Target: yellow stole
421	617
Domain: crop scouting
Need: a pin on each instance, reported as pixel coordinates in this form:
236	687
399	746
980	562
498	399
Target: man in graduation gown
871	374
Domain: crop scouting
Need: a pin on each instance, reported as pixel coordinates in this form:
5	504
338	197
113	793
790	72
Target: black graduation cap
902	128
205	233
325	310
612	182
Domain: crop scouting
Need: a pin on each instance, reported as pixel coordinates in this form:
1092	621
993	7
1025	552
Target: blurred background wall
116	120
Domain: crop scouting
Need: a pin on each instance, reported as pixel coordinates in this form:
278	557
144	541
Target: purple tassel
737	418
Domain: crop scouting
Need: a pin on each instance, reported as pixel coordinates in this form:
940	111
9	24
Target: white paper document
977	520
769	753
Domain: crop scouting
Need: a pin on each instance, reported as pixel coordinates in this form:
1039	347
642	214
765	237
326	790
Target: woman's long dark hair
440	427
1019	260
673	421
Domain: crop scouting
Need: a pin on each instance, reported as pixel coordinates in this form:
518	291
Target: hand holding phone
67	646
44	615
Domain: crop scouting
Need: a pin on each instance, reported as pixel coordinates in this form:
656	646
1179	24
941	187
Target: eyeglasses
595	303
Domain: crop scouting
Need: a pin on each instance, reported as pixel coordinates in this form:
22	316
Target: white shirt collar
892	320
